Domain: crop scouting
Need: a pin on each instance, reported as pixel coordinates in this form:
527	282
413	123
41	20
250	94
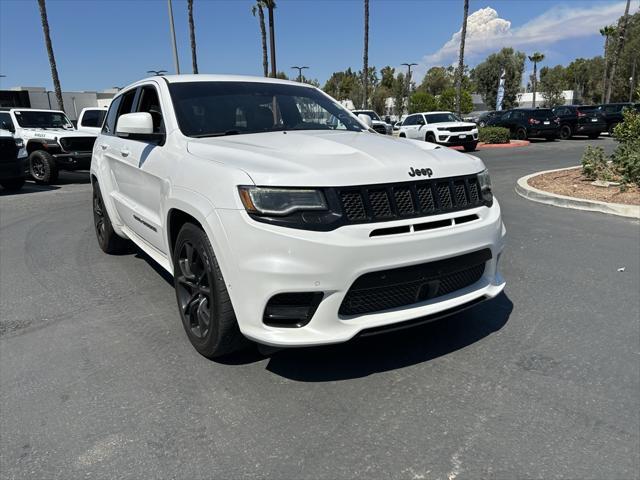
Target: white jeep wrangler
51	142
283	219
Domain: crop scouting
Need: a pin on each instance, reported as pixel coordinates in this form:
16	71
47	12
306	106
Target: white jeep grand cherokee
283	219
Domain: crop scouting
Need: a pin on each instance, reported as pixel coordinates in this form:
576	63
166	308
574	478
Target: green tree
52	58
552	83
259	9
607	32
436	80
422	102
620	85
379	99
622	27
486	77
447	100
387	75
399	94
536	58
281	76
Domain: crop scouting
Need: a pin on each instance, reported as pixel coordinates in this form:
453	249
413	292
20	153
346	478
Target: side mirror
137	126
366	119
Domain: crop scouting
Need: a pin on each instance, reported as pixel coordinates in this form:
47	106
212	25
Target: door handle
104	146
124	152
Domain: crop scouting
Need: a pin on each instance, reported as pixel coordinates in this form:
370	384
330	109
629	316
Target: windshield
373	115
209	109
442	117
42	119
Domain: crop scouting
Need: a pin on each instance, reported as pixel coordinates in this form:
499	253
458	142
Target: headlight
19	142
280	201
485	186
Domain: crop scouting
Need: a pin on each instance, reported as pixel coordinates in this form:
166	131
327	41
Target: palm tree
192	35
607	32
463	38
52	58
259	9
536	58
365	68
271	5
616	56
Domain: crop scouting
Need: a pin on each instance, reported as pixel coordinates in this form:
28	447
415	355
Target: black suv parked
613	113
580	120
524	123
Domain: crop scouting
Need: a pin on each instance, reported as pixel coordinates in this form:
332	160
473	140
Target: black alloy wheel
193	288
521	134
565	132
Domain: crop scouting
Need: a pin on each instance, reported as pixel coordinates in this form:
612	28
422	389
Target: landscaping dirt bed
572	184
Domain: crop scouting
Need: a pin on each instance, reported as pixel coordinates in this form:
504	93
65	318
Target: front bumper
264	260
73	160
12	169
457	139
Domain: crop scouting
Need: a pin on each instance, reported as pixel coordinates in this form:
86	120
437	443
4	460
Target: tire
205	307
482	124
565	132
12	184
470	147
521	134
110	242
430	137
42	167
402	135
593	136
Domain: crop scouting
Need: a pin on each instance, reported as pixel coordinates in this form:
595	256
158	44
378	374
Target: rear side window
587	109
542	114
409	121
93	118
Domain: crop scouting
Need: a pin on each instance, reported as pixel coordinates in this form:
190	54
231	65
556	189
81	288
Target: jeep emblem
417	172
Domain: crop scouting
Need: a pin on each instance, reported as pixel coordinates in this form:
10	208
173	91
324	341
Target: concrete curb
488	146
531	193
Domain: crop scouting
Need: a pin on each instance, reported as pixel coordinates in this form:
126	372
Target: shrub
626	157
494	135
596	166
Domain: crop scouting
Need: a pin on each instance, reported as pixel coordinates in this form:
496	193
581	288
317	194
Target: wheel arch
33	145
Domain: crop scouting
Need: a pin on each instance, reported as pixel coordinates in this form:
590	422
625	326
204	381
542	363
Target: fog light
442	138
291	309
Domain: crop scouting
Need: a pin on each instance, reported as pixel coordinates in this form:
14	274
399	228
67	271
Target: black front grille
77	144
8	149
460	129
377	203
380	129
401	287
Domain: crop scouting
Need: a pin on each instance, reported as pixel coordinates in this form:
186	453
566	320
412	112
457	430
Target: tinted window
5	122
587	109
93	118
409	121
420	120
109	126
228	108
150	103
542	114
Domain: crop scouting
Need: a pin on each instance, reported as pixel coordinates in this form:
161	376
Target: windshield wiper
217	134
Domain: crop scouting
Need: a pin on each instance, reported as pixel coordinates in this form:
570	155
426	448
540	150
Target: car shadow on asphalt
65	178
365	356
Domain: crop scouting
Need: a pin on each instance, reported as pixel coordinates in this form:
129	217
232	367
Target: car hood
321	158
454	124
55	133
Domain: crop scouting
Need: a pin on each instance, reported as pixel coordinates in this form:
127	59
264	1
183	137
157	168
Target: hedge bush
626	156
596	165
494	135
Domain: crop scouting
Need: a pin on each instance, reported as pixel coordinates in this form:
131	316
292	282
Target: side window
420	120
506	116
150	103
409	121
109	127
92	118
6	123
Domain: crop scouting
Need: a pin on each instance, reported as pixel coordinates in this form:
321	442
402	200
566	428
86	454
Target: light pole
299	72
409	65
157	73
173	38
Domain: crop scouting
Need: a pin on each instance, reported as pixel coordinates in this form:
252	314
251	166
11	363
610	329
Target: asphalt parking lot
98	380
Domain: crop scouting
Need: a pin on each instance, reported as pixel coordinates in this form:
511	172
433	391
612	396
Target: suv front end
350	260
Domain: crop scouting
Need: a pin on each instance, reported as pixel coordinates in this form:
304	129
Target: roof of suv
222	78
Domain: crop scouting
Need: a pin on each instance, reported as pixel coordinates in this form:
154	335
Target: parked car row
563	122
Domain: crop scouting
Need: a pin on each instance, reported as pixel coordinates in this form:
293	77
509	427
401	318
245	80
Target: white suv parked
283	219
91	119
445	128
51	141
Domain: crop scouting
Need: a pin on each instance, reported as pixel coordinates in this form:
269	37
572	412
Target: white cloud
487	32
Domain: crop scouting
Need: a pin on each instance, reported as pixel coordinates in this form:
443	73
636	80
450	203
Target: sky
100	44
